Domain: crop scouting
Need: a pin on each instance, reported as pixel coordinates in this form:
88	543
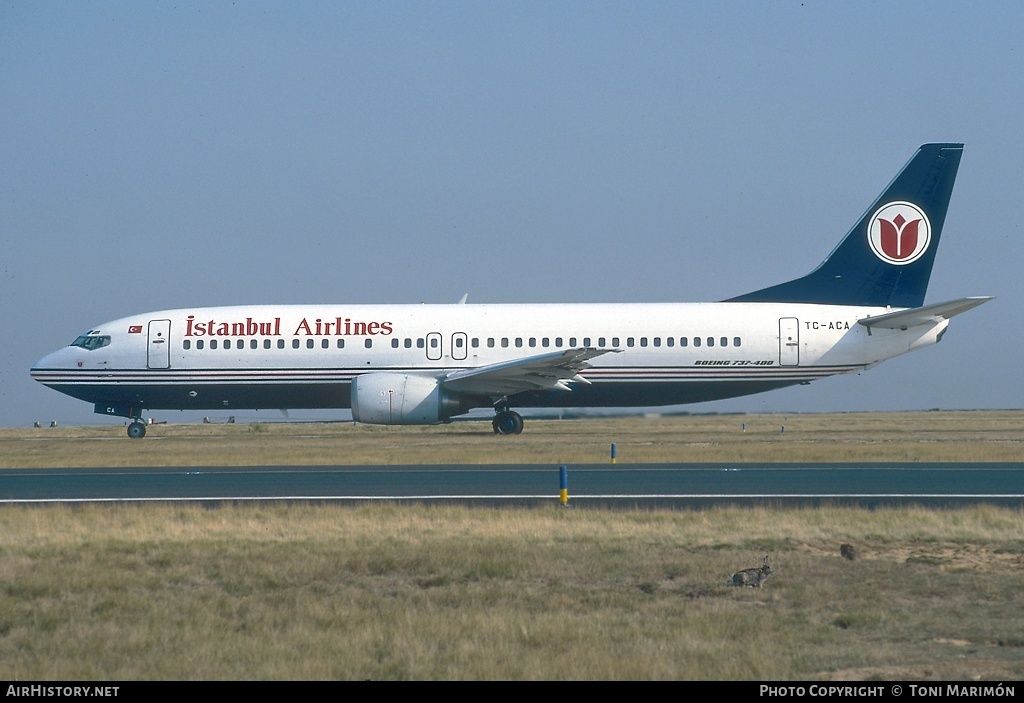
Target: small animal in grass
848	551
754	577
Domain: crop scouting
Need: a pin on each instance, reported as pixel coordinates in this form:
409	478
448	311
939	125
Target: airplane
427	364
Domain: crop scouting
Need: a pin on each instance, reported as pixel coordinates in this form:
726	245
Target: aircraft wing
904	319
534	373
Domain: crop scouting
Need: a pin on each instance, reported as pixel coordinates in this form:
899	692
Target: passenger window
600	341
630	342
266	344
736	341
711	341
341	343
696	341
254	344
615	341
724	341
519	341
187	344
368	344
504	342
533	341
395	343
295	344
199	344
213	344
572	341
227	343
490	342
325	343
419	343
309	344
684	341
643	341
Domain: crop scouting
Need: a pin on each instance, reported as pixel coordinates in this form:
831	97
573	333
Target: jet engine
403	399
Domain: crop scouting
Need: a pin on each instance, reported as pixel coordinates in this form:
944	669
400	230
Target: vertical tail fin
886	259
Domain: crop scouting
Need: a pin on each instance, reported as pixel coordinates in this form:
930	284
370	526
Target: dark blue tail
886	259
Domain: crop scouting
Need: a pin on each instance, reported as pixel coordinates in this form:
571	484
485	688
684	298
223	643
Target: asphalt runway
615	485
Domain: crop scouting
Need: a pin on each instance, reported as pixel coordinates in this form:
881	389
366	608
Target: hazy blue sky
169	154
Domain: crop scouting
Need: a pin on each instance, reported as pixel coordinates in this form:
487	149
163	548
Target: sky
159	155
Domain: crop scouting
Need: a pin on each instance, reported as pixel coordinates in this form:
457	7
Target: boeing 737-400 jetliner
425	364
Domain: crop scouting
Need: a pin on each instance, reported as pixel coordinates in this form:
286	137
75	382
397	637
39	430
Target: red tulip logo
899	237
899	233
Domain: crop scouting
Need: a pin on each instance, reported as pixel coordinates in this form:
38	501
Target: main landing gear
137	430
506	421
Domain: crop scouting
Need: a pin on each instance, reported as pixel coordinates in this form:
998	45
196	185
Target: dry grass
455	593
443	593
984	435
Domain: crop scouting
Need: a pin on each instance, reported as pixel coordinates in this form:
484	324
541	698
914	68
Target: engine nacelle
402	399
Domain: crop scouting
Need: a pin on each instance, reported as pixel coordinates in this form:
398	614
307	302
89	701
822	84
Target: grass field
389	592
989	435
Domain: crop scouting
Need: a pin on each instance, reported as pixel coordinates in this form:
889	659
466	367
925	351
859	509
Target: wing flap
929	314
554	371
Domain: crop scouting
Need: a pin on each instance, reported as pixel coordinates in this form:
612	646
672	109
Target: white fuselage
305	356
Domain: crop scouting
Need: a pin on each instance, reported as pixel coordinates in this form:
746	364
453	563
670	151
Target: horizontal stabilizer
928	314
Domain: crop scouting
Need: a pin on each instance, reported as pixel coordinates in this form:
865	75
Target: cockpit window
91	342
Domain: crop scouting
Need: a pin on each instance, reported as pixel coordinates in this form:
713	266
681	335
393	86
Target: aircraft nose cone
53	360
41	364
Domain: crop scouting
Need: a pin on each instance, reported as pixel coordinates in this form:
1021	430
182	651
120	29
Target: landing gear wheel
507	422
136	430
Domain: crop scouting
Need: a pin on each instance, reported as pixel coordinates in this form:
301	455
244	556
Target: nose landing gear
137	427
